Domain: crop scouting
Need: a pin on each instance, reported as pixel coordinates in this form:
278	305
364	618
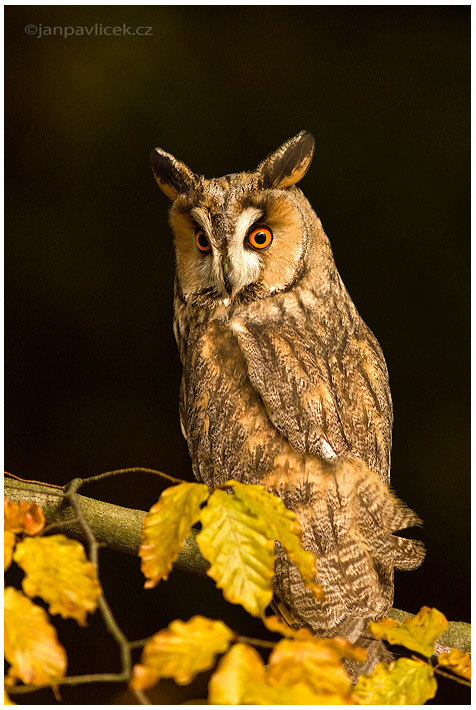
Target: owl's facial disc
234	243
226	247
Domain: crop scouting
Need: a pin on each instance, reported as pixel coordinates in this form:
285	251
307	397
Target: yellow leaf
180	651
344	648
23	517
418	633
279	523
8	545
240	667
315	663
273	624
31	643
403	682
457	661
297	694
240	554
6	699
58	571
166	526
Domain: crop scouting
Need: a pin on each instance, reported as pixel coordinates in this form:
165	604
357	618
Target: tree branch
120	529
112	525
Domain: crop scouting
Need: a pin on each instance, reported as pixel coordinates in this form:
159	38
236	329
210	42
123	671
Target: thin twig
141	696
70	680
104	608
28	480
140	643
134	469
455	677
59	524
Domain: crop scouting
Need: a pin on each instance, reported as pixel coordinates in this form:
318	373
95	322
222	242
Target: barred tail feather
349	519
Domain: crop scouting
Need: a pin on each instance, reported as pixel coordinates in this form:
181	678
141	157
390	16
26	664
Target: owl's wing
327	401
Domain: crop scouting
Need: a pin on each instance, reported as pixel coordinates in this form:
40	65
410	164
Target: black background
91	368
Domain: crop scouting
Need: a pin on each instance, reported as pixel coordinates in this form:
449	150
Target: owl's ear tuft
289	163
172	176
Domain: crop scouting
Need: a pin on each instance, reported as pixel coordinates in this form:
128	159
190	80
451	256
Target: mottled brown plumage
283	383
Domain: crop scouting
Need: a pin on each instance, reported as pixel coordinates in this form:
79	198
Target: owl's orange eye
260	237
201	240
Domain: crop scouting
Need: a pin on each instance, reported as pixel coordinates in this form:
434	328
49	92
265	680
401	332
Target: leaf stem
255	642
455	677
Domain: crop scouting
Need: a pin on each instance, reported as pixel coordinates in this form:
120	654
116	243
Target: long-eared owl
283	383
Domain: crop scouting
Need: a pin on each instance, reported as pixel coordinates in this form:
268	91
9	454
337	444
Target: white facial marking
202	217
246	264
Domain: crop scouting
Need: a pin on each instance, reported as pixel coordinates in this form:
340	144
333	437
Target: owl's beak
226	275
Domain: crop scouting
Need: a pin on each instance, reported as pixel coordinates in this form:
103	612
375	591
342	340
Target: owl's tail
350	519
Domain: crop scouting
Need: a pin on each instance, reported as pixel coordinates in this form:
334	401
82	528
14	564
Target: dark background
91	368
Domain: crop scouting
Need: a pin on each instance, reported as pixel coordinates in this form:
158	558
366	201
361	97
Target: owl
284	385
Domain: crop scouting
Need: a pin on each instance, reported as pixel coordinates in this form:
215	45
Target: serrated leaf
9	540
58	571
181	651
22	517
456	661
418	633
281	524
240	667
315	663
403	682
240	554
166	526
31	644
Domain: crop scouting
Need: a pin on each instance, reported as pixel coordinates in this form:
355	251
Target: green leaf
166	526
418	633
180	651
232	539
281	524
240	667
403	682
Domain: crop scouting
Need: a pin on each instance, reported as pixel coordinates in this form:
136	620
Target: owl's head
242	236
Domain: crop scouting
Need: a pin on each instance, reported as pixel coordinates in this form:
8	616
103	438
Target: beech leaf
418	633
58	571
166	526
241	555
297	694
31	644
456	661
181	651
281	524
273	624
240	667
9	540
402	682
22	517
315	663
